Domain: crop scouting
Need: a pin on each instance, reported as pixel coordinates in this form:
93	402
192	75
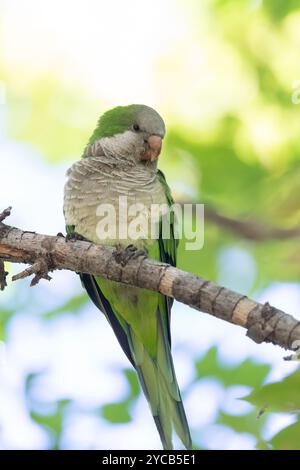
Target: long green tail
155	370
158	380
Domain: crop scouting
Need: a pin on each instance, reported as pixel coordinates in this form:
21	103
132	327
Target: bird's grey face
138	133
149	131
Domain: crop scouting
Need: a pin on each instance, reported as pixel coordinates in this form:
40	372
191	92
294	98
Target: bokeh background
225	75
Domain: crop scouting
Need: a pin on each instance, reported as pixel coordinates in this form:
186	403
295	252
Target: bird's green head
134	132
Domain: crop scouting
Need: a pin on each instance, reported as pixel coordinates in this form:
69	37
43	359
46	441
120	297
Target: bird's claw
122	256
74	236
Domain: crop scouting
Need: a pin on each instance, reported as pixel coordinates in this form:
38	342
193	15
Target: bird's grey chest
101	198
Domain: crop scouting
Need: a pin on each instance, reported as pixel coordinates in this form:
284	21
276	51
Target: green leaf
280	8
30	378
288	438
247	423
116	412
53	423
263	445
120	412
131	377
247	373
5	316
74	305
283	396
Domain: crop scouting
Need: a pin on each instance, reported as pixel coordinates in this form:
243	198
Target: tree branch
46	253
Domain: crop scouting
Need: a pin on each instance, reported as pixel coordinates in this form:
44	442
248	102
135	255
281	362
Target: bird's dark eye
136	127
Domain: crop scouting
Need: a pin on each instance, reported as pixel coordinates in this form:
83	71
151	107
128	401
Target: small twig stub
39	269
5	213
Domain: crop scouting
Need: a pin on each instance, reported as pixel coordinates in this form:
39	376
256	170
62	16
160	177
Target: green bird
120	161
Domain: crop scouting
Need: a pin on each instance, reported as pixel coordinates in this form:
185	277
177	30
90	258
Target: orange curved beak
152	153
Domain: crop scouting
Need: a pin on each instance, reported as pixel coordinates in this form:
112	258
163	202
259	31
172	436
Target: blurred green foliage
246	373
120	412
52	422
280	396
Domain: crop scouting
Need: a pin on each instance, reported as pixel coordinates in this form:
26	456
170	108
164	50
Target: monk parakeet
120	160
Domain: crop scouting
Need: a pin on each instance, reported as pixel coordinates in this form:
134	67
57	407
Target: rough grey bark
45	253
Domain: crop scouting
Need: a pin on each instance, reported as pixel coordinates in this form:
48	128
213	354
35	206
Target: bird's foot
123	255
74	236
